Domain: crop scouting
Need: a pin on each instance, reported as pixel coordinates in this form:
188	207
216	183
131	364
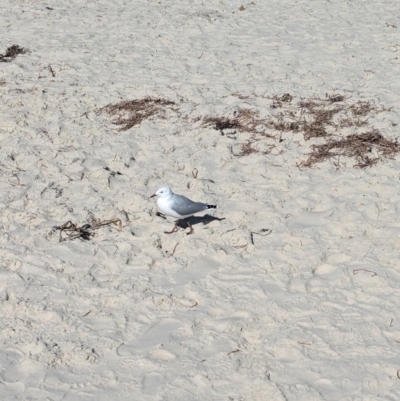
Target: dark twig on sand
11	53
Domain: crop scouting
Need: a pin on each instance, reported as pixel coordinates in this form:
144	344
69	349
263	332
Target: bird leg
190	226
174	229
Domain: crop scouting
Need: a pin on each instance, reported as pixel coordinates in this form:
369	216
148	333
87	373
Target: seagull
178	206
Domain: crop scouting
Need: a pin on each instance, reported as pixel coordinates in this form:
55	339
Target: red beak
152	196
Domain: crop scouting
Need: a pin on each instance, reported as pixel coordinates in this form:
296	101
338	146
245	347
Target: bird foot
191	228
174	229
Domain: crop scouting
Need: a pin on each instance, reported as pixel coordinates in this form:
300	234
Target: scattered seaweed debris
317	117
71	231
332	122
247	149
132	112
310	116
361	108
221	123
11	53
327	118
367	148
279	100
244	120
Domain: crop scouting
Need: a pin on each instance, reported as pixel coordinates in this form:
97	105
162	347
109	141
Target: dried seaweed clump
244	120
279	100
317	117
132	112
247	149
11	53
311	116
367	148
71	231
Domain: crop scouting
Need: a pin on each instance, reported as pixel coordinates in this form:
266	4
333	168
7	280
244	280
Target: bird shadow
193	220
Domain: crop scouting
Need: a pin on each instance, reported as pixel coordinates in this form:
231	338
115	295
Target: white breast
164	205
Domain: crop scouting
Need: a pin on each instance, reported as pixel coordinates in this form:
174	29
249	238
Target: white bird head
162	192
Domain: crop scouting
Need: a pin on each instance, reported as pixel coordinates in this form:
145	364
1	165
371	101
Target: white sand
308	312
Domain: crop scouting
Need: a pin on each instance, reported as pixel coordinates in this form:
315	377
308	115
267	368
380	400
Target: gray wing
186	207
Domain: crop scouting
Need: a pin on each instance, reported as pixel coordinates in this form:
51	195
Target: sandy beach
283	114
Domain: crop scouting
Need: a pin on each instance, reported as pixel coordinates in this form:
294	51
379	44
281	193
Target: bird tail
212	206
